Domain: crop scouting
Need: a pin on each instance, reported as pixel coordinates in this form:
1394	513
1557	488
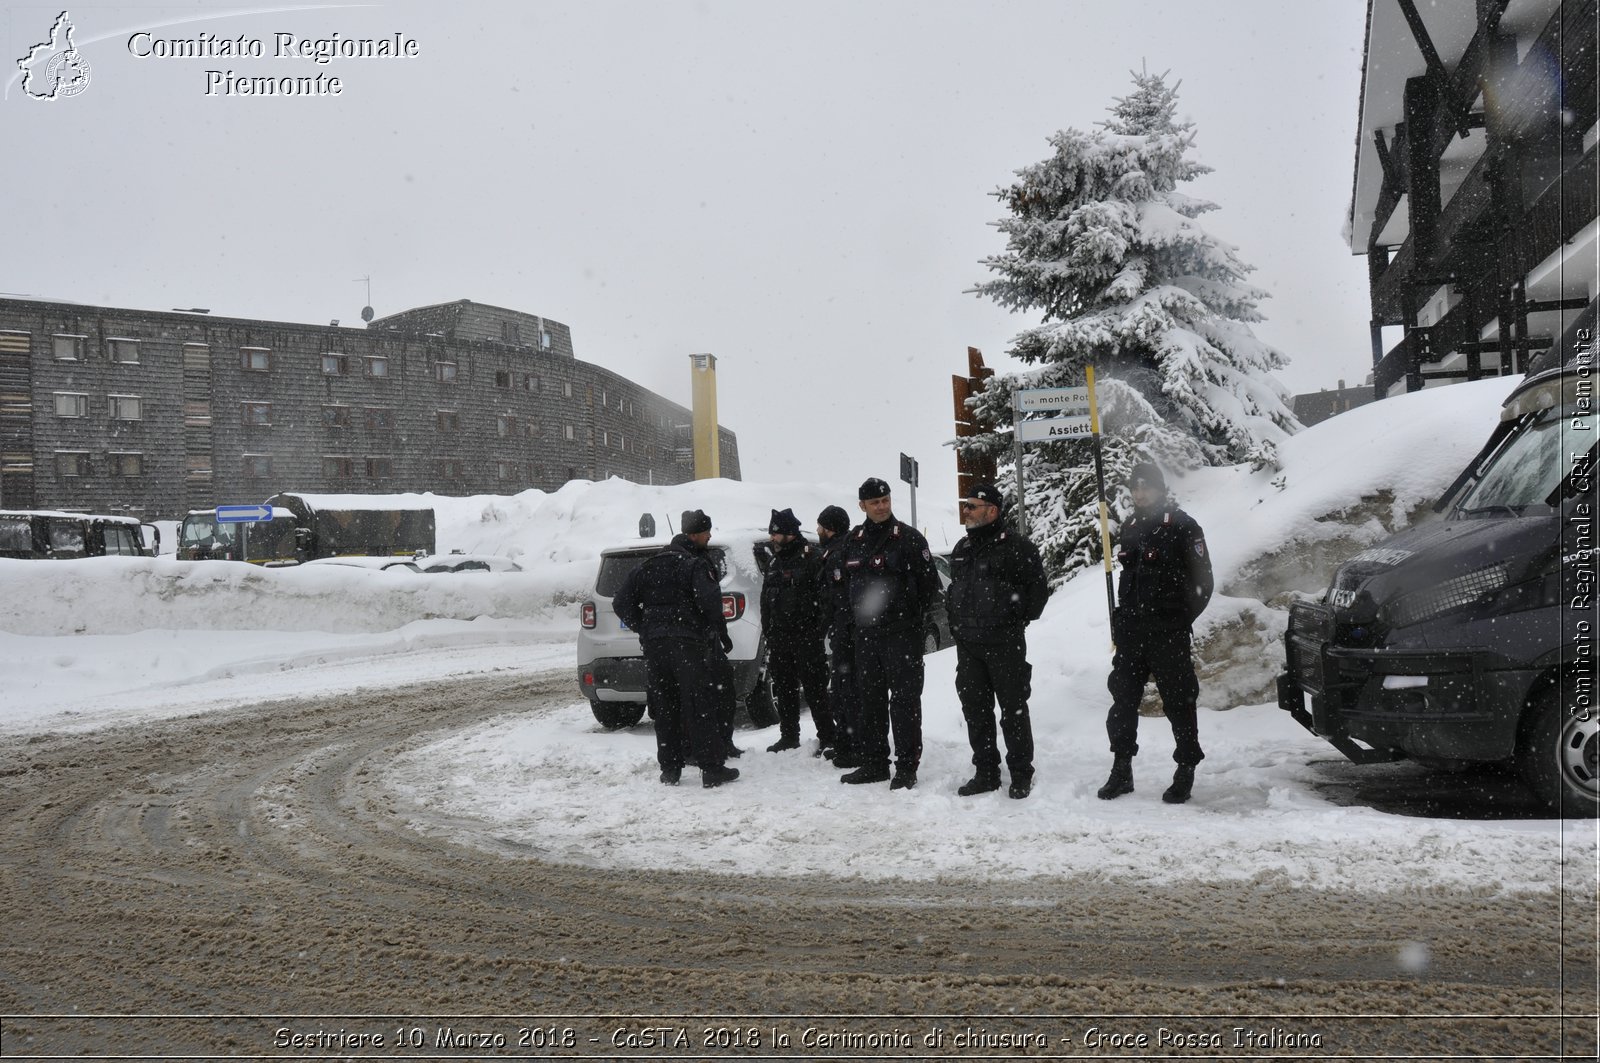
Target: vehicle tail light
588	679
732	606
589	614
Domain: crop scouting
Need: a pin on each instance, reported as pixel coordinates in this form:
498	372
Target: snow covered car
372	564
611	671
1471	639
40	533
460	562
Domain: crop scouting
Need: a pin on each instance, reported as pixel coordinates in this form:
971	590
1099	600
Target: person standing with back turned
674	602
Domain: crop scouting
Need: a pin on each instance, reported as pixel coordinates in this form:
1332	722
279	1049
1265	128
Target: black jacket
997	584
834	589
892	578
791	592
1166	571
673	595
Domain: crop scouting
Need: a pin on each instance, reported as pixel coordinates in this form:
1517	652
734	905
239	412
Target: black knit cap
695	521
834	519
1149	474
872	487
784	522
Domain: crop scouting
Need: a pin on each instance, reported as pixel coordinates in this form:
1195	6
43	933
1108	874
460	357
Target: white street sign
1047	429
1074	401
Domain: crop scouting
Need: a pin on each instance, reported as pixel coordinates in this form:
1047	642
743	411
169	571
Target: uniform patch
927	555
1199	548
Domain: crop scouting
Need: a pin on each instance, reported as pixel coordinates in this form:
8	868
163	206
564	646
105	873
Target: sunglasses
975	505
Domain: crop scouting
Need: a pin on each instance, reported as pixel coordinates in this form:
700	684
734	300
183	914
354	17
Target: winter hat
695	521
987	493
1148	474
834	519
784	522
872	487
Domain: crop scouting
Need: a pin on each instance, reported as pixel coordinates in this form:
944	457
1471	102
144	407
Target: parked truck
1471	638
303	527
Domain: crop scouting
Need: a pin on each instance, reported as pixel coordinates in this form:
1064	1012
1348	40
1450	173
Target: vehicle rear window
66	538
16	534
614	568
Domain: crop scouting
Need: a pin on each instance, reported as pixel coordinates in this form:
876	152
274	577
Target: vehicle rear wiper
1499	507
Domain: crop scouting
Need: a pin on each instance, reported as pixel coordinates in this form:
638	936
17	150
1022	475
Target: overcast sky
801	189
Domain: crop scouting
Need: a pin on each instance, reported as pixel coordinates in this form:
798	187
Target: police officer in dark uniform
674	602
791	623
997	588
1166	583
893	583
833	531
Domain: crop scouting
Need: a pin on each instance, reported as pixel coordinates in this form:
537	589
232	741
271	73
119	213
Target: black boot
784	742
904	779
1021	786
981	783
731	750
710	777
1121	780
865	774
670	776
1182	785
846	759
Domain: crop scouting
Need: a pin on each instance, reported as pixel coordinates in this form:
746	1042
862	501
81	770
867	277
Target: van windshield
1522	475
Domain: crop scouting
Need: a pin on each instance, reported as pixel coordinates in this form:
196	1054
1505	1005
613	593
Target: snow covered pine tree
1101	241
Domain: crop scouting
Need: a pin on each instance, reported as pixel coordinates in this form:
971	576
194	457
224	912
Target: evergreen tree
1100	241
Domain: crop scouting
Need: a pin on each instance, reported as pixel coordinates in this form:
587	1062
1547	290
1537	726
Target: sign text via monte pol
318	50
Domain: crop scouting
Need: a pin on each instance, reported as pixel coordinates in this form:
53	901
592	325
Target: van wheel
759	707
615	715
1557	757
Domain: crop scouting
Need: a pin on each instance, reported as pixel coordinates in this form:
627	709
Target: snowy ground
105	641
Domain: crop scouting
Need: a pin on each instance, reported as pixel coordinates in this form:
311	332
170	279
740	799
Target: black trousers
889	665
795	662
726	689
844	697
990	672
682	689
1165	655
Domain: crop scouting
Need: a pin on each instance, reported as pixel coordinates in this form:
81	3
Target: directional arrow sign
1048	429
1074	401
243	514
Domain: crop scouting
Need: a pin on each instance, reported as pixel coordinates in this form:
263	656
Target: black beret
834	519
872	487
784	522
695	521
987	493
1149	474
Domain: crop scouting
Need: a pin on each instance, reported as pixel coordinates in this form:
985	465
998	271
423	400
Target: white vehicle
372	564
455	561
611	670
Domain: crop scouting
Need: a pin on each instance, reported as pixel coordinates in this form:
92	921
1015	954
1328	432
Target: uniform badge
926	555
1199	548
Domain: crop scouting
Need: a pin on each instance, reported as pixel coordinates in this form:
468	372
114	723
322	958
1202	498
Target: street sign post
243	514
911	473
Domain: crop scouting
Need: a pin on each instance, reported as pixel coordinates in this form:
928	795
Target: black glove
727	641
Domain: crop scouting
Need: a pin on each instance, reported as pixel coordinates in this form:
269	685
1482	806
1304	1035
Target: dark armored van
46	534
1472	638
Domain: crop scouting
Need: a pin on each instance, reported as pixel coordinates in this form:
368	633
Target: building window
70	404
333	364
198	467
255	359
378	366
502	378
124	464
69	348
124	352
505	425
73	463
256	466
505	470
197	414
336	417
447	420
257	412
338	467
531	429
380	419
450	469
510	332
533	383
569	433
444	372
126	407
620	445
380	468
544	339
566	389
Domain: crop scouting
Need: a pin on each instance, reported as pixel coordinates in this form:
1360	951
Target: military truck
52	535
1471	638
303	527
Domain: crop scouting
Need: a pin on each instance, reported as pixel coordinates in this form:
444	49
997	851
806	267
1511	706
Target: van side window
66	538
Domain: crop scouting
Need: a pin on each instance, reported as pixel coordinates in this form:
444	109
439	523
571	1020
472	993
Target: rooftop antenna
366	311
